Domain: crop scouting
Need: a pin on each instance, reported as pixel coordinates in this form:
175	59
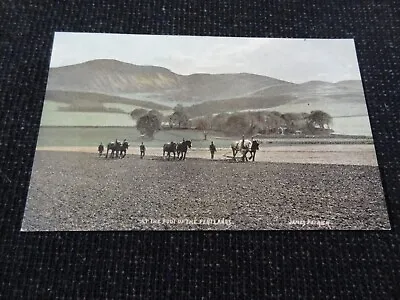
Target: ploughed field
81	191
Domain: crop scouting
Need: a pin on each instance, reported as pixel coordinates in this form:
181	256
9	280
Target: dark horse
182	148
115	148
168	148
124	148
253	149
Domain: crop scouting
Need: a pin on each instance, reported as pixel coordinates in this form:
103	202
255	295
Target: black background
194	265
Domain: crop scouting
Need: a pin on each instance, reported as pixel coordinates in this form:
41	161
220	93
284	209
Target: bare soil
81	191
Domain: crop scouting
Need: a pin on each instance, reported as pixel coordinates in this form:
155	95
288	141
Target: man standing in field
100	149
212	149
142	150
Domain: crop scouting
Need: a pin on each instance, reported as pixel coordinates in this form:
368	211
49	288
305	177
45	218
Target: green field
92	136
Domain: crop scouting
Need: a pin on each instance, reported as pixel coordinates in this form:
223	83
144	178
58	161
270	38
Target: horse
182	148
168	148
243	148
115	148
123	149
253	149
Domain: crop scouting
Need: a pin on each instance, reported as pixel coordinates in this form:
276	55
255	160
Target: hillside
292	98
204	87
111	77
314	90
85	102
122	79
237	104
106	85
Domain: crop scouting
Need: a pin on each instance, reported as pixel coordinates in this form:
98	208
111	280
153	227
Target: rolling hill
104	85
331	97
116	78
111	77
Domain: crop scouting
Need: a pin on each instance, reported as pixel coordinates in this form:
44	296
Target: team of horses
178	149
118	149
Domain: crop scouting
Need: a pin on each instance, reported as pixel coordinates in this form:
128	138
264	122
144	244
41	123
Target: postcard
152	132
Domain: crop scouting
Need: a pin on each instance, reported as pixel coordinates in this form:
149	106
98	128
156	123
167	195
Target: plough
234	157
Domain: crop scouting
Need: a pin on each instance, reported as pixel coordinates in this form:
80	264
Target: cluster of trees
179	118
149	122
249	122
262	122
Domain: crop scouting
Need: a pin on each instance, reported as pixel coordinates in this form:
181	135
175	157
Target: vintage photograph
152	132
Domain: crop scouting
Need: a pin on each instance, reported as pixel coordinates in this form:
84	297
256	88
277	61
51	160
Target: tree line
238	123
267	122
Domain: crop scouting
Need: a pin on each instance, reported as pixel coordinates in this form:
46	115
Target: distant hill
110	77
89	86
318	95
118	78
204	87
315	90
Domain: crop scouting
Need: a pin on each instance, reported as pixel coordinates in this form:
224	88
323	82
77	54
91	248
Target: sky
294	60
